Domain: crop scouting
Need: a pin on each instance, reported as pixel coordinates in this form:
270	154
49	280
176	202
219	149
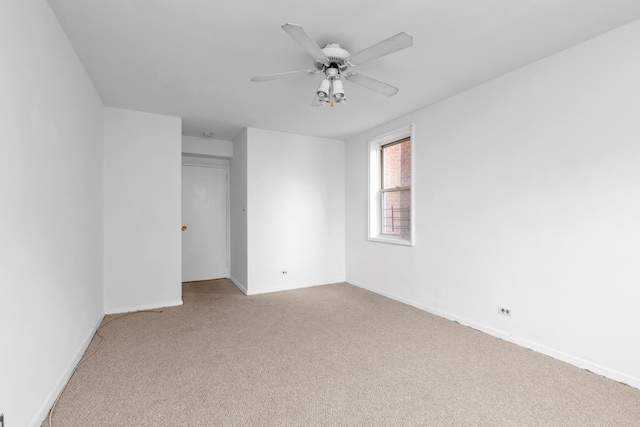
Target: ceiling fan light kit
338	91
324	89
334	61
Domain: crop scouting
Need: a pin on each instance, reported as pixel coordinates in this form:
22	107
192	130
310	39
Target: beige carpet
329	355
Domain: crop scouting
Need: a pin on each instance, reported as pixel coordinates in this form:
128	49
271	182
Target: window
390	182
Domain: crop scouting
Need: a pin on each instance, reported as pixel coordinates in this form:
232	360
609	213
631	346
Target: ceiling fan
334	62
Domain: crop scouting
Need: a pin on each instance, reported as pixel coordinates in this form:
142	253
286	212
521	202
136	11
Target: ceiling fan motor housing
336	55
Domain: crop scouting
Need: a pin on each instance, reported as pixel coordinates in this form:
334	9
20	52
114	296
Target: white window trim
374	202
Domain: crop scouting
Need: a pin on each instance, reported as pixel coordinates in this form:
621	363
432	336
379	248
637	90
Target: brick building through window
395	187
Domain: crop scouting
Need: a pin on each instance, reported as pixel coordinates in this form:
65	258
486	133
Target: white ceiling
195	58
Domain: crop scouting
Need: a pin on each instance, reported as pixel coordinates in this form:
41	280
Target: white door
204	219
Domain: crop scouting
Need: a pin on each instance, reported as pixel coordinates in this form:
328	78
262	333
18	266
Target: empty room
289	213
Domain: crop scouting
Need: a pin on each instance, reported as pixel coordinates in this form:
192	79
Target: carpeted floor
329	355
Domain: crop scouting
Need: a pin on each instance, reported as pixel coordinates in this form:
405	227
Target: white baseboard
245	291
581	363
119	310
290	287
239	285
567	358
64	378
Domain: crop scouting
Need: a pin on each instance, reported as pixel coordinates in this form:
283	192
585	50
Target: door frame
209	162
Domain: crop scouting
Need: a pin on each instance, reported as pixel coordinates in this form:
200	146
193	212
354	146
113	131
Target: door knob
184	227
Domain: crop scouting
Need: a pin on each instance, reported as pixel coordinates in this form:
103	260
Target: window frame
375	187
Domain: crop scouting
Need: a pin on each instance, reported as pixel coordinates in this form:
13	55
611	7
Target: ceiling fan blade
372	84
392	44
282	75
302	38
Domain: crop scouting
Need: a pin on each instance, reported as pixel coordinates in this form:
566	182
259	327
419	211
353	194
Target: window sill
392	240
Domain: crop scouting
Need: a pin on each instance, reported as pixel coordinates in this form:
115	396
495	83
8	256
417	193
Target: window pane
396	213
390	211
396	165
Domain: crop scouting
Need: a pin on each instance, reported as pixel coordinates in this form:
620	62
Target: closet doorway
205	218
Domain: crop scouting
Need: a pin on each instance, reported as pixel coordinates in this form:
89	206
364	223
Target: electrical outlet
504	311
281	272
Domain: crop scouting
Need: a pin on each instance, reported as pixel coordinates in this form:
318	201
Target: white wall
528	197
50	210
207	147
295	211
238	220
142	241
